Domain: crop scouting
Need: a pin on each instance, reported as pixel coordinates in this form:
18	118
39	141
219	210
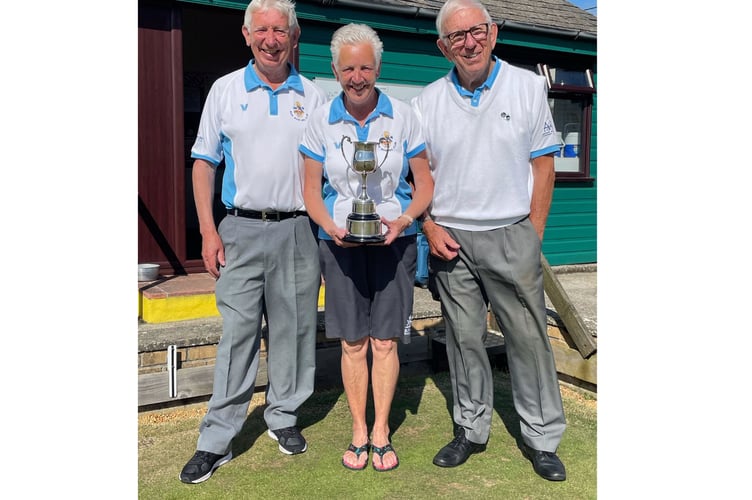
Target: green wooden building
185	45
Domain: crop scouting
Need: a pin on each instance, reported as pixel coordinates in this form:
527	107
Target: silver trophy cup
363	223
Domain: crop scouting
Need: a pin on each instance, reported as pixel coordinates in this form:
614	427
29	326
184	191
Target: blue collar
487	84
253	81
338	112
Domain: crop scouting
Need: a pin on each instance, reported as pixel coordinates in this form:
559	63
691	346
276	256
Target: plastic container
148	272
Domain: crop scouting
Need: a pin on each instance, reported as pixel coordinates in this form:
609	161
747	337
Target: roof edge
432	13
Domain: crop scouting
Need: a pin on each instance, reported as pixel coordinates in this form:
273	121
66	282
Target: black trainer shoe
291	441
202	466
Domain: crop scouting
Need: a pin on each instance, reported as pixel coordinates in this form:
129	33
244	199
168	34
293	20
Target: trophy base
364	228
351	238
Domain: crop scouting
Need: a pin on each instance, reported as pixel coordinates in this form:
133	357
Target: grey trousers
502	267
273	269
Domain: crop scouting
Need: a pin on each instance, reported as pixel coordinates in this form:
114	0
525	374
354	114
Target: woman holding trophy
361	150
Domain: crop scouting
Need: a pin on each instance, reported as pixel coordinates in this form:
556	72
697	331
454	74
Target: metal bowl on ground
148	272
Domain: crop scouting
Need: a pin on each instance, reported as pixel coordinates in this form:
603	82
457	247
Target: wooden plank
193	382
575	193
572	251
571	365
572	219
567	232
576	328
495	349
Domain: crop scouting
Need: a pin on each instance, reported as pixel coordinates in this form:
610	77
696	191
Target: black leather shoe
457	451
546	464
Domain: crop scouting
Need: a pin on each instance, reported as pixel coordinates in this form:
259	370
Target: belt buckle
270	215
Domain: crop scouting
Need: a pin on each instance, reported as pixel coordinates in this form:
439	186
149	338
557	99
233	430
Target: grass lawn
421	424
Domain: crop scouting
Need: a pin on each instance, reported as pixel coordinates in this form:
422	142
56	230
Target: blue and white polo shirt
257	130
394	126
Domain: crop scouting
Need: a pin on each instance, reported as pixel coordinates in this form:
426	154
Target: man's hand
441	244
213	253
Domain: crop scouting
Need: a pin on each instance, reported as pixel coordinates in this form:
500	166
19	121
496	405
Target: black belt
265	215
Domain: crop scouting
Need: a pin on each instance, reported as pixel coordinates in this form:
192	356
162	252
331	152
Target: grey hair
452	6
353	34
285	7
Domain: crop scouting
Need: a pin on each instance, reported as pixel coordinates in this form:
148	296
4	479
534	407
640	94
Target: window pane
560	76
567	115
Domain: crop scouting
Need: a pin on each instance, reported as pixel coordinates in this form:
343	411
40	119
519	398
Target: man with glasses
491	139
264	253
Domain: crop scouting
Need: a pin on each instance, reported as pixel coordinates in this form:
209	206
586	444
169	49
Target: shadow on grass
407	401
255	425
407	398
327	395
502	400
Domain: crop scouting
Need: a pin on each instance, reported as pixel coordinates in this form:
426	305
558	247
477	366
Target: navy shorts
368	289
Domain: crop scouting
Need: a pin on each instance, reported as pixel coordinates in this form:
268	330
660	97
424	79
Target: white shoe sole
282	448
206	476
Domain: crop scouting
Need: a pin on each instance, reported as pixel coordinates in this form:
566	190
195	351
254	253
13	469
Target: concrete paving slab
581	286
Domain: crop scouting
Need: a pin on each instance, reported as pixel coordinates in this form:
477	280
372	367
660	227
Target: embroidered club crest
298	112
386	141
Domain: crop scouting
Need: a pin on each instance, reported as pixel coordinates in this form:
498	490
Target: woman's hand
337	234
395	227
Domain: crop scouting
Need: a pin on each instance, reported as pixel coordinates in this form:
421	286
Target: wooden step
179	298
196	334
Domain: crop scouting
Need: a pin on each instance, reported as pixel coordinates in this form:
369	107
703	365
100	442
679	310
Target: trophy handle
382	161
342	149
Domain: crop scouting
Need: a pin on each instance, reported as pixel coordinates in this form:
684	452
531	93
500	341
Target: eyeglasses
479	32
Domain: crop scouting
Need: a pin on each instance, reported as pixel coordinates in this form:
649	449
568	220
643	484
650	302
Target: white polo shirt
394	126
480	145
257	130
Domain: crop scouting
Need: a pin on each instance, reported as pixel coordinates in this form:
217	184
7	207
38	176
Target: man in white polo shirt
264	253
490	140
